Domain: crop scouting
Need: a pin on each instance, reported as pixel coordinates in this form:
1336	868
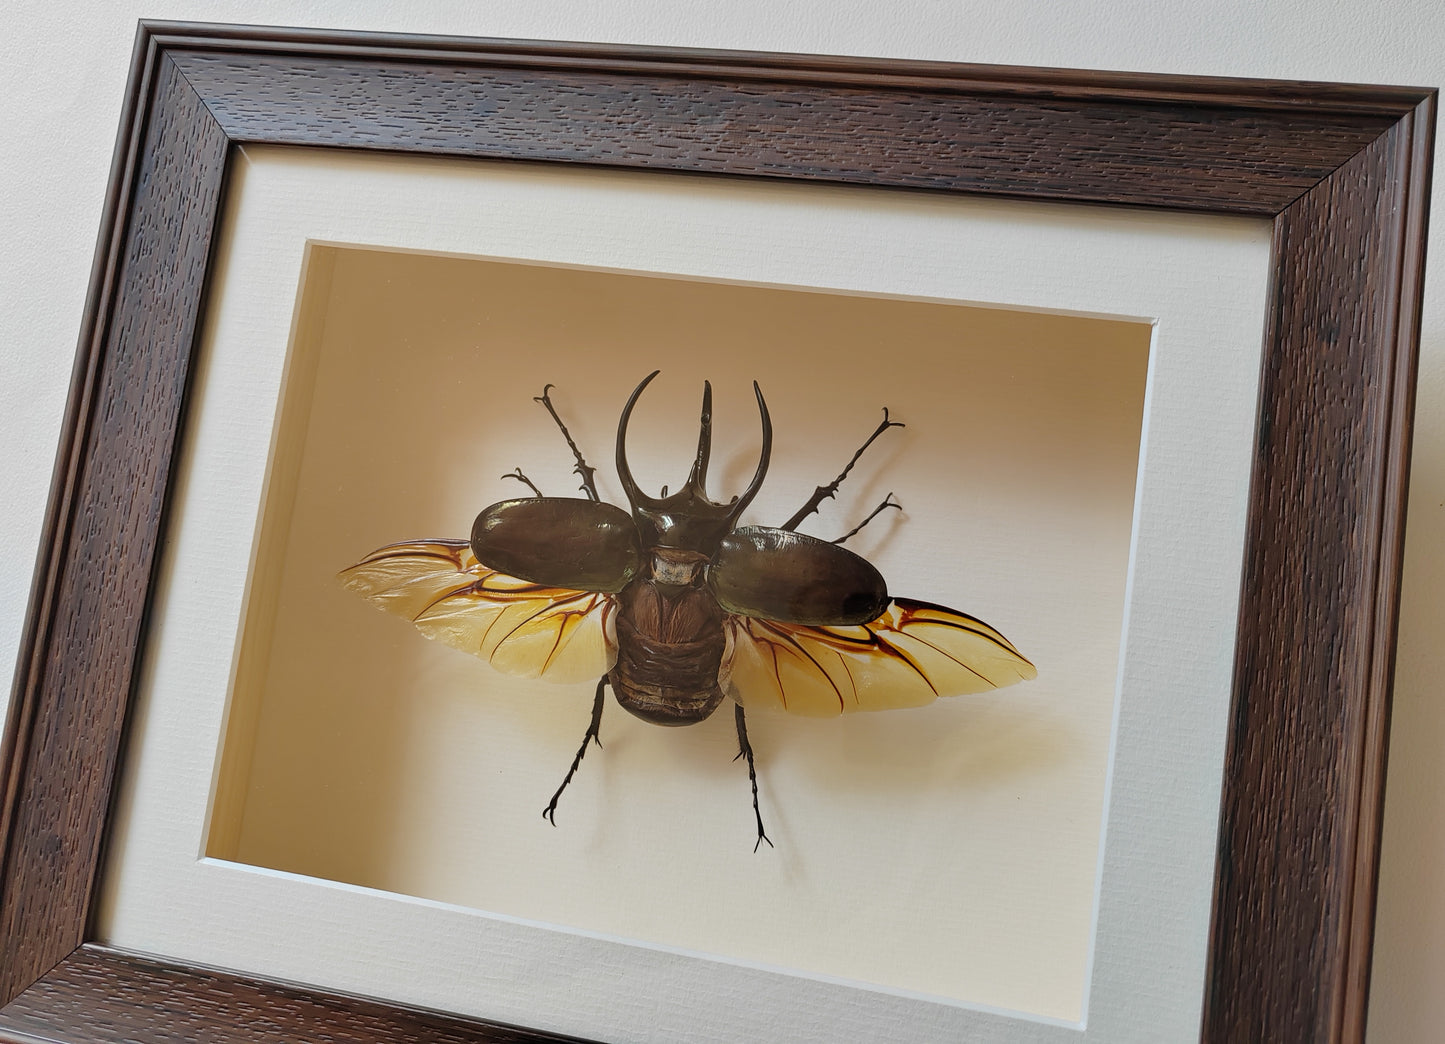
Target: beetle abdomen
670	646
776	574
560	542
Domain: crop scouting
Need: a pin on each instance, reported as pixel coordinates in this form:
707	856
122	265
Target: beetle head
688	519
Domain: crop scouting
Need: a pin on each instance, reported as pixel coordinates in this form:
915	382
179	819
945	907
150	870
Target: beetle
674	605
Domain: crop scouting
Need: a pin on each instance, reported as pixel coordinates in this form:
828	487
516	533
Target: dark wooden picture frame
1342	171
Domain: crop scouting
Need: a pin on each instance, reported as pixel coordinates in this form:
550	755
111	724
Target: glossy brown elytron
675	606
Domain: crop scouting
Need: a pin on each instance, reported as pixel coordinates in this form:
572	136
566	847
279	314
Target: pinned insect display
675	607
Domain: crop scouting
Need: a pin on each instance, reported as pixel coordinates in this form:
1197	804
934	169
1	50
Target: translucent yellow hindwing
520	628
911	655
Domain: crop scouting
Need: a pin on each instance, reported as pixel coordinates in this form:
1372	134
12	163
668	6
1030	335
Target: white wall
62	73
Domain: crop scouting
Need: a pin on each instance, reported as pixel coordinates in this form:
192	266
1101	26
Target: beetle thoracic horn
635	496
698	476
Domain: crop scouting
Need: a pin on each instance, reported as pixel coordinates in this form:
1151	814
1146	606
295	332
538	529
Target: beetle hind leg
745	750
550	812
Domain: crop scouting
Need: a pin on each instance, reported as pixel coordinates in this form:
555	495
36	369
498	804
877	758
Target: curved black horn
757	482
697	478
635	496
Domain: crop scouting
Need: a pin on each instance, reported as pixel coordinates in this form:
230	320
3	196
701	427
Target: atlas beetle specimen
675	606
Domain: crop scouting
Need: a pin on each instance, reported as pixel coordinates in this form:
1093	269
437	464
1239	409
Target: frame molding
1343	172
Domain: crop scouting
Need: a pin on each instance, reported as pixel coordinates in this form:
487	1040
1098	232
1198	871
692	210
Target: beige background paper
360	752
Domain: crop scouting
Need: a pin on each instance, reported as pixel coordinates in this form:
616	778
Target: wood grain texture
1328	444
1342	170
98	995
74	425
773	67
84	661
1242	161
1414	146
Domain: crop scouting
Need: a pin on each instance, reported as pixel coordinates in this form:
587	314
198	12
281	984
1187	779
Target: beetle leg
550	812
523	478
822	493
745	750
582	467
888	502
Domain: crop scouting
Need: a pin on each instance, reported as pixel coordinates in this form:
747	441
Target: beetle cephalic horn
698	476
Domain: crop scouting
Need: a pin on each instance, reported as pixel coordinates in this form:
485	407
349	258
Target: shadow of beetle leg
550	812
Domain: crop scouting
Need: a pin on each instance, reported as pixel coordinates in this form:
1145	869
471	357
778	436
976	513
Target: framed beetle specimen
676	604
361	735
353	752
1326	185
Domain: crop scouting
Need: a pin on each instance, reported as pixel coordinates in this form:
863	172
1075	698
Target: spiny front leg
822	493
888	502
745	750
517	474
582	467
550	812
